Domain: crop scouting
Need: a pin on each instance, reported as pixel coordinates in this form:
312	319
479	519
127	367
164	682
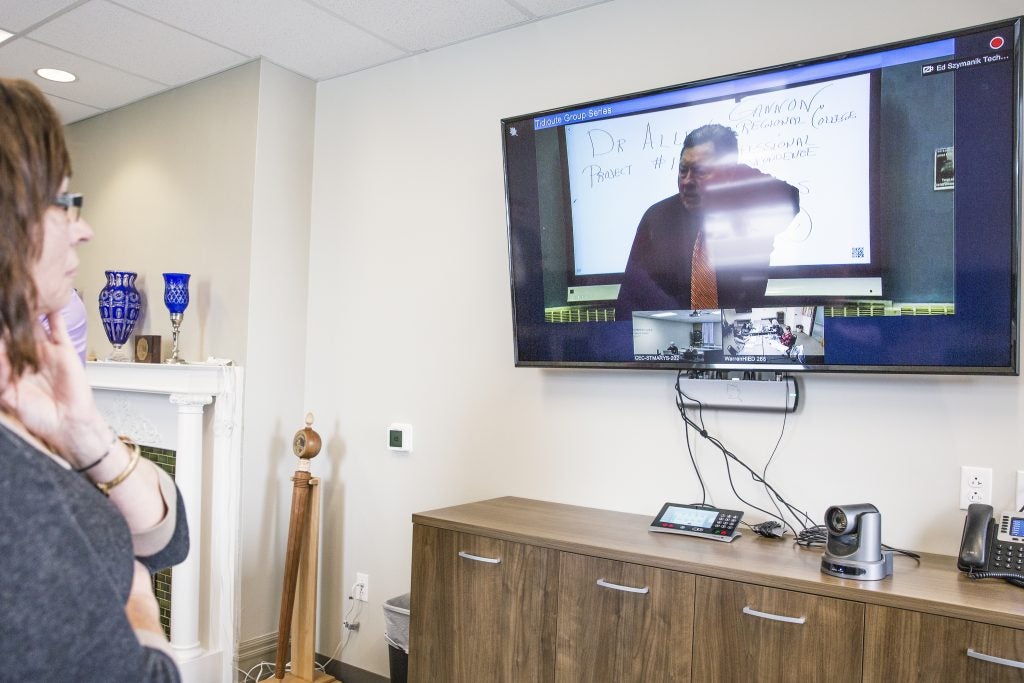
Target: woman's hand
142	609
55	402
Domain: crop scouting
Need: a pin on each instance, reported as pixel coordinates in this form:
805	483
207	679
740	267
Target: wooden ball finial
306	443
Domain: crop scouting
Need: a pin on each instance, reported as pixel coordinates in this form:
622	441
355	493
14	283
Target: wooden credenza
520	590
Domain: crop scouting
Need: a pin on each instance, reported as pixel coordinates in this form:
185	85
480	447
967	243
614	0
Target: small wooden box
146	348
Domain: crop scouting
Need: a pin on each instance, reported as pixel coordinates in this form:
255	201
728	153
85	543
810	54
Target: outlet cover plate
975	486
362	591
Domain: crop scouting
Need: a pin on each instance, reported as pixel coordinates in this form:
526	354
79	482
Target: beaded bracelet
97	461
105	487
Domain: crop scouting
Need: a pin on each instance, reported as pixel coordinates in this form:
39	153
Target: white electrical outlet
975	486
362	591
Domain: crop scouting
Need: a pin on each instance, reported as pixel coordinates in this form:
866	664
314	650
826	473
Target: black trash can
396	633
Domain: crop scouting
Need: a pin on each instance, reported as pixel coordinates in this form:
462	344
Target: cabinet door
481	609
622	622
902	645
744	632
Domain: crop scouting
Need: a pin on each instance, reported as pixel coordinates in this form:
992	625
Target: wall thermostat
400	437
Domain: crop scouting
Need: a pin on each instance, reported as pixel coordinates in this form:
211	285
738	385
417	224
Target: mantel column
188	474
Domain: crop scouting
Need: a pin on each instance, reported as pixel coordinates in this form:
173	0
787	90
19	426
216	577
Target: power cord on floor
257	672
349	624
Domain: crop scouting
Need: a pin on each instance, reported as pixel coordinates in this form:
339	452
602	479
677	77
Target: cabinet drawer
482	609
901	645
744	632
622	622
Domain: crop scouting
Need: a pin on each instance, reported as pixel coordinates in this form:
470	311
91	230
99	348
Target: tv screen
856	212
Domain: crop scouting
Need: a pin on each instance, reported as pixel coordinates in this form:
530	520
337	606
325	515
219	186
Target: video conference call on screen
854	212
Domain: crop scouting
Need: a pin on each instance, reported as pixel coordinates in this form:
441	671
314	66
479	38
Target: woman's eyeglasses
71	203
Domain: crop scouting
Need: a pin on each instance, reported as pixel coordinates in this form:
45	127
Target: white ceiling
125	50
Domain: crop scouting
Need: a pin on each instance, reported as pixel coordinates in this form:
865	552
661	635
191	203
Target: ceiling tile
127	40
547	8
97	85
420	25
291	33
70	112
18	15
125	50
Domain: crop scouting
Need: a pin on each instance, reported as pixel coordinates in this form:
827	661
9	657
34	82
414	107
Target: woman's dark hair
34	161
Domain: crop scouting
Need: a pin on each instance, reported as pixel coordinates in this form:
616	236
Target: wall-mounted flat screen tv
856	212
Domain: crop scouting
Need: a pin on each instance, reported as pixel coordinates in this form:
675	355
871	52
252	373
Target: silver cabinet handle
629	589
995	660
774	617
477	558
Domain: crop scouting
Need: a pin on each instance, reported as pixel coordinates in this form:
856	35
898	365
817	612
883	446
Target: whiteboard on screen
815	137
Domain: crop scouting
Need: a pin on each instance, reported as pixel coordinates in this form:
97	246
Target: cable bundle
801	517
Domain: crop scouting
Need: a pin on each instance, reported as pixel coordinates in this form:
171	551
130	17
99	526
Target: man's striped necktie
703	282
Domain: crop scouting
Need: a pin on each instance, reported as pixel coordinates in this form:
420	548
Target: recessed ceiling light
56	75
4	35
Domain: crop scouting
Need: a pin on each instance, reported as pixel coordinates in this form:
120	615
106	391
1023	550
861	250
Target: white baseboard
253	651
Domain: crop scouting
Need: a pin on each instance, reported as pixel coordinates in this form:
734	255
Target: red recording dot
996	42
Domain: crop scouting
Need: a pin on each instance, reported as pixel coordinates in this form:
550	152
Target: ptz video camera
854	546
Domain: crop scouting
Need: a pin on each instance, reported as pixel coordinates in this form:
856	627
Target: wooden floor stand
303	647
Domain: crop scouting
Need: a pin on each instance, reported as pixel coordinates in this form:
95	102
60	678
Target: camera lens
837	520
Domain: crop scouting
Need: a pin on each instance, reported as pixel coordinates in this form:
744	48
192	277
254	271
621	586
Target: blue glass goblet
176	300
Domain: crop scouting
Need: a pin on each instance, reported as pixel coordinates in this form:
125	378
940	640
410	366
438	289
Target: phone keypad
1008	556
726	522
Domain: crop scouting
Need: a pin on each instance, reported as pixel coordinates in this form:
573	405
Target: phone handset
977	528
991	550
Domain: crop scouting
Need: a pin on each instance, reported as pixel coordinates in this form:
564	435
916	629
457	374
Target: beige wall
214	179
409	256
276	337
168	186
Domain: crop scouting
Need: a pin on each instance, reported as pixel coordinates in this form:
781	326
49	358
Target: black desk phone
993	547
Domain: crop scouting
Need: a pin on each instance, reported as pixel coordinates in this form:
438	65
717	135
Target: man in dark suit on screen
708	246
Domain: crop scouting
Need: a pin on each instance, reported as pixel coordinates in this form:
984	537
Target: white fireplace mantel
167	406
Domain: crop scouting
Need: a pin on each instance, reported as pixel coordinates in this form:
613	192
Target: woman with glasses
83	518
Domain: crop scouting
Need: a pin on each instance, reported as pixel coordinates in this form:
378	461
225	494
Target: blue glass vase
120	305
176	300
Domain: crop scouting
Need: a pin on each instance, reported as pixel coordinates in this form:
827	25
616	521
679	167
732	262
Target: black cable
764	472
909	554
686	435
732	485
728	455
693	459
769	529
812	537
1016	578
